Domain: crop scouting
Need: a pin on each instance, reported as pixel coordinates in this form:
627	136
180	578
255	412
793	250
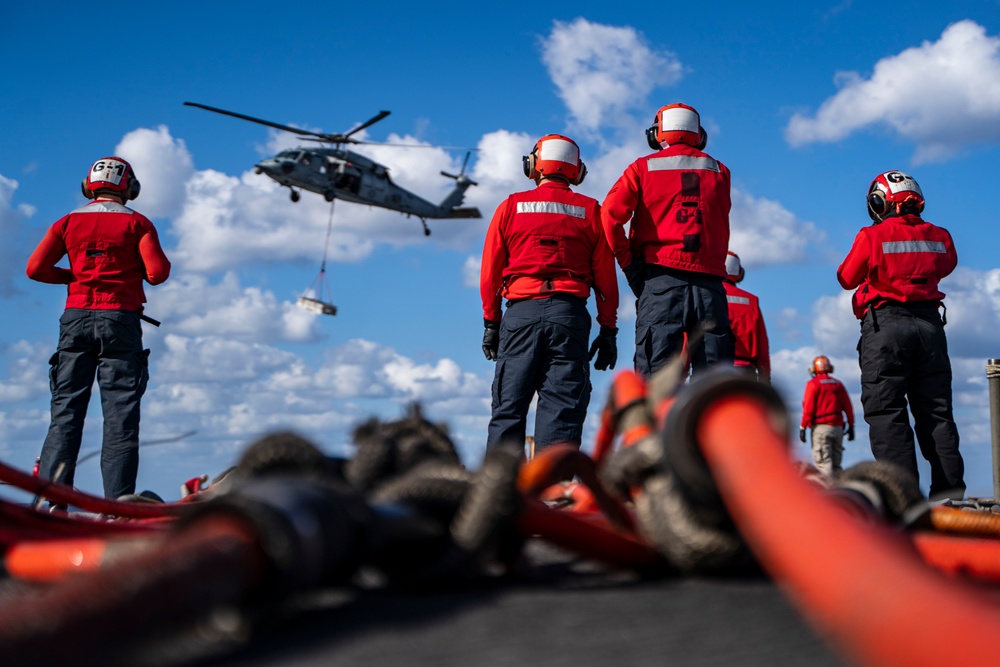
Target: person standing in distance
826	409
894	267
746	321
111	250
674	256
544	252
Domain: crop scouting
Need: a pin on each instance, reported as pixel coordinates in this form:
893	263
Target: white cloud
471	271
942	96
602	72
763	232
194	306
11	261
162	164
27	372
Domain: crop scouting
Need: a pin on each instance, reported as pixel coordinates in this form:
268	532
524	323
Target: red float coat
546	241
747	323
826	402
678	202
900	259
111	250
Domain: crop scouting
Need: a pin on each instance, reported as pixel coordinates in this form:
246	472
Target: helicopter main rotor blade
371	121
287	128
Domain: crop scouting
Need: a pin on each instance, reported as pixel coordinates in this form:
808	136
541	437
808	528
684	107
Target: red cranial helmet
734	268
555	155
112	174
676	124
820	364
894	191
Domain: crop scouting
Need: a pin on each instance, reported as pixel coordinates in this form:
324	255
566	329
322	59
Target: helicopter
337	173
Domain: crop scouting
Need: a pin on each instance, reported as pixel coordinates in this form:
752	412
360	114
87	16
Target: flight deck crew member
747	323
544	252
111	250
674	256
826	409
895	266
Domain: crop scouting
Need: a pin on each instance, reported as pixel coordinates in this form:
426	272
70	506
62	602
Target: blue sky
804	103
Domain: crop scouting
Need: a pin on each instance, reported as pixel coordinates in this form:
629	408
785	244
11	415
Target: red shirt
111	250
826	402
747	323
545	241
900	259
678	202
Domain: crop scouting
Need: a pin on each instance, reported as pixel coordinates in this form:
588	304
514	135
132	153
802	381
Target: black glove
635	274
850	433
802	434
491	340
605	346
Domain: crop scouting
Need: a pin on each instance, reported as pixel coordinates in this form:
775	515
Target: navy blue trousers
904	357
543	351
106	344
678	303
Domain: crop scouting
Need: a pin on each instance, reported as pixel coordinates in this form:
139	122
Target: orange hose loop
968	556
636	433
953	520
587	534
559	462
862	586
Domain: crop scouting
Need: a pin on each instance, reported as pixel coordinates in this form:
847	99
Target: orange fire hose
861	585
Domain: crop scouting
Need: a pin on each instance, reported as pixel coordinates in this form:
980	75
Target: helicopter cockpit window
291	154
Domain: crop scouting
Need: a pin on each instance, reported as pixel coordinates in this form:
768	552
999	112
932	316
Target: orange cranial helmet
111	174
820	364
676	124
555	155
894	191
734	268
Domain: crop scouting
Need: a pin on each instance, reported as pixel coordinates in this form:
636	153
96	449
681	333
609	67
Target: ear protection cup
877	205
704	139
582	174
89	194
651	138
528	164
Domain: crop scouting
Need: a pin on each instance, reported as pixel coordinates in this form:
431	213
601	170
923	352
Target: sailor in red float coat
677	203
112	249
826	409
544	241
895	266
544	252
747	322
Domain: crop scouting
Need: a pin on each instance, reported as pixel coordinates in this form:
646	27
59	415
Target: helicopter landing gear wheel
328	195
294	196
427	231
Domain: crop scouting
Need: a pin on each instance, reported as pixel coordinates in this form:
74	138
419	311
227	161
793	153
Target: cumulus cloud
763	232
603	72
162	164
196	306
11	261
941	96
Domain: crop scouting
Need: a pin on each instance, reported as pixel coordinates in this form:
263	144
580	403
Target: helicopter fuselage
336	173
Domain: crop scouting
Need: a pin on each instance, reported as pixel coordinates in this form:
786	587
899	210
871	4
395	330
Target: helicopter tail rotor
461	177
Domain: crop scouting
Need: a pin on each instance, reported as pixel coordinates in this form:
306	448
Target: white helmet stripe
551	207
682	163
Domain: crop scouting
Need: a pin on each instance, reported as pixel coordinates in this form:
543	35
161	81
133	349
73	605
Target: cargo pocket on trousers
143	372
53	370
